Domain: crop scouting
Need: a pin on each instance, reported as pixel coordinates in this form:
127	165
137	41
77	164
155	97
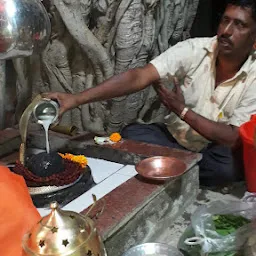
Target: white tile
101	169
100	190
105	176
128	170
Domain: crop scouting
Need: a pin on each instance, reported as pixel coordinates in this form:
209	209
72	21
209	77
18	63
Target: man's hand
66	101
214	131
172	99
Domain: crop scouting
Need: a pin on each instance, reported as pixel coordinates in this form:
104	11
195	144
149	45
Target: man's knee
218	166
221	173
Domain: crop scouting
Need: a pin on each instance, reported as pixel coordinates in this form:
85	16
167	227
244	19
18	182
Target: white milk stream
45	121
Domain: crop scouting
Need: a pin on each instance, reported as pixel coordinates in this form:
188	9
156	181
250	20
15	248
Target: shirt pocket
211	111
230	106
223	117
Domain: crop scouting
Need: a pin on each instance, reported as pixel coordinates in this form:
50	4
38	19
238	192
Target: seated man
217	92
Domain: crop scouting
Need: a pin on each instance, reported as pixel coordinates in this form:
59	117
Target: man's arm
213	131
217	132
176	60
128	82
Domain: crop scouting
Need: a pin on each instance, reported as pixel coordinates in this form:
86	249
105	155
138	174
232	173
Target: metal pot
63	233
46	109
153	249
24	28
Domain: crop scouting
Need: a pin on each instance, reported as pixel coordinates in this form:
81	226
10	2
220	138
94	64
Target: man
217	92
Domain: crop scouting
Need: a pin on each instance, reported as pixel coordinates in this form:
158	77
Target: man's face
237	31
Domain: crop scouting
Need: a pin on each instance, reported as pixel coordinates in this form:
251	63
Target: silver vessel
24	28
153	249
46	109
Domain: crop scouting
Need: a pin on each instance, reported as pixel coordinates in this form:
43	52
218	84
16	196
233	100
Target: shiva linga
49	175
25	29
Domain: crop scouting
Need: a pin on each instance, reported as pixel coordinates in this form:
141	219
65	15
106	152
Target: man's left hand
172	99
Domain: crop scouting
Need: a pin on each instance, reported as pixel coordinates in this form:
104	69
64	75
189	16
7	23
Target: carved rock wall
93	40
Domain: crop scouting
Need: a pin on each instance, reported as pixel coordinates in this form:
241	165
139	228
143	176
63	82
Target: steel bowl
161	168
24	28
153	249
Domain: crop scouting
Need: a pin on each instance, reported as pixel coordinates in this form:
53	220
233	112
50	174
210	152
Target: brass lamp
63	233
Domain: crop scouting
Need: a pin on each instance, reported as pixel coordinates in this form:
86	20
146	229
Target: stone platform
138	210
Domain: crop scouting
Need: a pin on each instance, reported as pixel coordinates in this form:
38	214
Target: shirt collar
211	48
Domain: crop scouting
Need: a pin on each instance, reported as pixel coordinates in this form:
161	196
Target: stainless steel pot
24	28
153	249
46	109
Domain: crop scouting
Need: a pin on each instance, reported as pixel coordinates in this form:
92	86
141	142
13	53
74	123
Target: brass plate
161	168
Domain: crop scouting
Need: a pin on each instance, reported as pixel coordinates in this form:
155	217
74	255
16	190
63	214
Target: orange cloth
17	212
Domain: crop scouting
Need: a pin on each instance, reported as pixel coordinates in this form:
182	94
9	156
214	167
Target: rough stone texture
174	230
153	216
90	42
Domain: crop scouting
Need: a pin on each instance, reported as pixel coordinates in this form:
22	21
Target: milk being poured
46	113
45	121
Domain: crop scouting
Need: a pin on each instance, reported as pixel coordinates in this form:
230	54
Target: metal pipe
69	130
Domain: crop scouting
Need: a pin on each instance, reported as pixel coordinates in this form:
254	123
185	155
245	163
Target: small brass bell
63	233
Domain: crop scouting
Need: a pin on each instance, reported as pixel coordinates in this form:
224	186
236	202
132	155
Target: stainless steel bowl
24	28
46	109
153	249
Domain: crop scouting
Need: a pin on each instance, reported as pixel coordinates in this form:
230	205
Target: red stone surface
126	198
121	202
155	150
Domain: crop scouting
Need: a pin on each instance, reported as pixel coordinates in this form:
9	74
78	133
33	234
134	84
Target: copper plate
161	168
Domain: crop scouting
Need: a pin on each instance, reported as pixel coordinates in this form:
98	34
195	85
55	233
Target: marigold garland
115	137
81	159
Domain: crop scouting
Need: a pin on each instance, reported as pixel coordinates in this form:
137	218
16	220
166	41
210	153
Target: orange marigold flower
80	159
69	156
62	155
115	137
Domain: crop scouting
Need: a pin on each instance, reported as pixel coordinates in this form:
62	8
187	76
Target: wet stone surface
173	233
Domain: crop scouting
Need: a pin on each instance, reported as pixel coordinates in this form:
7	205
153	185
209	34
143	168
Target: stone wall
91	41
